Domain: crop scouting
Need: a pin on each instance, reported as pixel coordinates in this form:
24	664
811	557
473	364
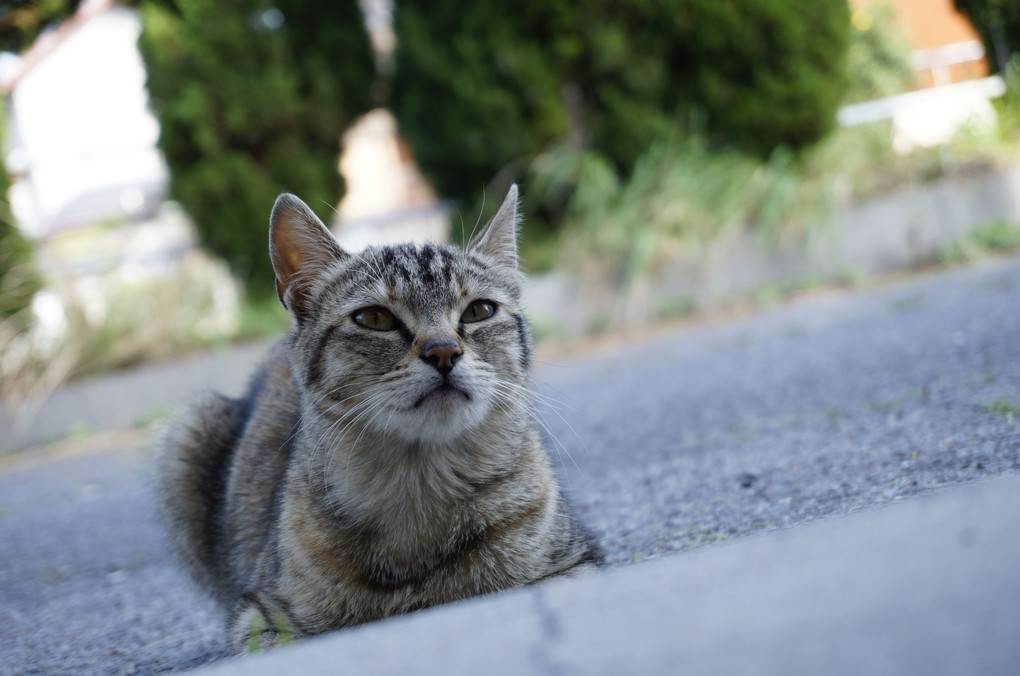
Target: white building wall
86	139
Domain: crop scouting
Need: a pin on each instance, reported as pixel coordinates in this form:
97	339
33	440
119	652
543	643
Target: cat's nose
442	354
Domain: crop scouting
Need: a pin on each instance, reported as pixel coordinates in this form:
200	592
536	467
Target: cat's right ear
301	249
498	239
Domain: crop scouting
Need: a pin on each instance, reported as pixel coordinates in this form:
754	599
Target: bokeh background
675	156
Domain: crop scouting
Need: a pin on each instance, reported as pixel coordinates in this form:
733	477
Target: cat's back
220	461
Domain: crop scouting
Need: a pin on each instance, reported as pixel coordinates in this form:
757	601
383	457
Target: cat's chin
440	416
445	396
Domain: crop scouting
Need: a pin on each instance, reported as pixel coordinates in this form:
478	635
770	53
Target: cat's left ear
498	239
301	249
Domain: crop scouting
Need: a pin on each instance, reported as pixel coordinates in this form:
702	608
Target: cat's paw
253	631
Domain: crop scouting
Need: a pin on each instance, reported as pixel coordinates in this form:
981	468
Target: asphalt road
835	404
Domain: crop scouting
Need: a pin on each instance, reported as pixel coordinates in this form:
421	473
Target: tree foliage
21	21
482	88
998	23
252	97
18	279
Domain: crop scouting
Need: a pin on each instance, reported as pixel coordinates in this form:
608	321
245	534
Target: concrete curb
928	586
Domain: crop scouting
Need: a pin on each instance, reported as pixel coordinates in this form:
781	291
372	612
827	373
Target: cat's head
424	342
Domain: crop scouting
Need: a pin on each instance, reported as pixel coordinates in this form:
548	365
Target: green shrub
252	97
481	89
1007	109
18	278
997	237
681	196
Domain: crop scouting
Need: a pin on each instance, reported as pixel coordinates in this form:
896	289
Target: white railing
884	109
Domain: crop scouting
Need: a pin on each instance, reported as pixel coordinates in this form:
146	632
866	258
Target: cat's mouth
442	392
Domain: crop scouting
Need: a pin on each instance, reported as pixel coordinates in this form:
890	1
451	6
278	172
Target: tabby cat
386	456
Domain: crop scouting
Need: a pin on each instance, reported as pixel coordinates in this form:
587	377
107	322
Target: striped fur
363	474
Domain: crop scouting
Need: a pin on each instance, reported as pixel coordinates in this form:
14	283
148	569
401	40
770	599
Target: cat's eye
478	310
377	318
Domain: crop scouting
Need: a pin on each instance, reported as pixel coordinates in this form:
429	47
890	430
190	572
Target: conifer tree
252	97
482	88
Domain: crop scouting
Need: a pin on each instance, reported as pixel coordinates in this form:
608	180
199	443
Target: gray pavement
125	399
714	438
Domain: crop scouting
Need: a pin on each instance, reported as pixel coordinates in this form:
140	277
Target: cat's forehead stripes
429	266
429	278
425	279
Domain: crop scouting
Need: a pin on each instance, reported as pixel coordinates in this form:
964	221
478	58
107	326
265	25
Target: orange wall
933	23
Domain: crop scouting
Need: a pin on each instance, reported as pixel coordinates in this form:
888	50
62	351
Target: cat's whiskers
337	445
337	430
553	405
558	391
310	466
507	389
547	400
369	412
374	413
506	401
359	410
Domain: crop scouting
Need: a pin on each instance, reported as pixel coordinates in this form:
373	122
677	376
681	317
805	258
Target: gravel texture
821	409
834	404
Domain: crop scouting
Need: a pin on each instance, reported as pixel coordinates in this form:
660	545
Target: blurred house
88	181
387	201
952	85
81	141
946	46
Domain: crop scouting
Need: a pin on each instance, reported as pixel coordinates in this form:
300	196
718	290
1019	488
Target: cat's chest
334	570
398	540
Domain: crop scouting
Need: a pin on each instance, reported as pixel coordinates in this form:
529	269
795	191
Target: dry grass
140	321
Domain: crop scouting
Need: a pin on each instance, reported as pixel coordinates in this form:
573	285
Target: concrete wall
896	231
